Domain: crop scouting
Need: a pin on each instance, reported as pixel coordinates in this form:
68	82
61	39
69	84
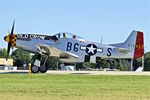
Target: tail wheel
43	69
34	69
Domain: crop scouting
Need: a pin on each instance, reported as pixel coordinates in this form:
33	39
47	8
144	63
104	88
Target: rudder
139	46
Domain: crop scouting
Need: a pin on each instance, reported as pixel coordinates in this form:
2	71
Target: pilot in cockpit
73	36
64	35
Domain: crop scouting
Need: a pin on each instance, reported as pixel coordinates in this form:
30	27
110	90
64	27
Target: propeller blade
12	30
8	50
10	44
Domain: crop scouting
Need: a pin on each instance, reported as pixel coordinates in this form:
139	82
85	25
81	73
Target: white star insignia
91	49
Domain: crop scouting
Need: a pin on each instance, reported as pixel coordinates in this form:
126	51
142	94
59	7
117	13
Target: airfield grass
73	87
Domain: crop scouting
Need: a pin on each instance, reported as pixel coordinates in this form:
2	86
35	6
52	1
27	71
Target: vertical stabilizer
134	43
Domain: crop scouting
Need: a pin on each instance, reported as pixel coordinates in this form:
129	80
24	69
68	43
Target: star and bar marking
91	49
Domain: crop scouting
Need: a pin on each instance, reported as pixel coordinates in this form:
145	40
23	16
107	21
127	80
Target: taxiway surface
78	72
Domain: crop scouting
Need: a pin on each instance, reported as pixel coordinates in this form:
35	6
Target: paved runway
79	72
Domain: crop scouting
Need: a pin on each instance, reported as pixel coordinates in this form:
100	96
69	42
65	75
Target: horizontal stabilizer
123	50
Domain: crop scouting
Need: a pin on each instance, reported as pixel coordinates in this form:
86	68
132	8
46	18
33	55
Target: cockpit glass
67	35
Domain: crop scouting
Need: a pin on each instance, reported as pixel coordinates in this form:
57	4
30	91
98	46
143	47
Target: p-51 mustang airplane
72	48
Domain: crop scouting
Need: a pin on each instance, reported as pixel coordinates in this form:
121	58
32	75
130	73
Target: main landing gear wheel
34	69
43	69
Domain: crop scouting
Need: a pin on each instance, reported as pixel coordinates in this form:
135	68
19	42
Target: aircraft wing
52	51
123	50
68	55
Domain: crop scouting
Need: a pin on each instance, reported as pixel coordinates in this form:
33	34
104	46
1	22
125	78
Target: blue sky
113	19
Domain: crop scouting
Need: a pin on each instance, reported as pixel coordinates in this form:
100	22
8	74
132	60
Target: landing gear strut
43	68
36	66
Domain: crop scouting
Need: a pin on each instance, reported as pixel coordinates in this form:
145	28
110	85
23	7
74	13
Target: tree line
21	57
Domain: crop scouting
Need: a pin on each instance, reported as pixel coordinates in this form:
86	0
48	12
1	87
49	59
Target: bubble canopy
67	35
